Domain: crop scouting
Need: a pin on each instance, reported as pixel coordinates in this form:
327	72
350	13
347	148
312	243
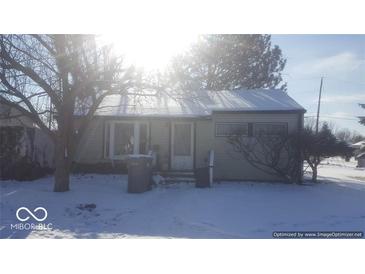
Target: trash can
202	177
139	173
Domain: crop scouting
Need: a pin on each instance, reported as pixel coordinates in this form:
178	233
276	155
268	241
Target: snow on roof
358	144
199	103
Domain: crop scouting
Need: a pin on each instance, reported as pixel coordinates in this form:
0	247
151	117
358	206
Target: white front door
182	146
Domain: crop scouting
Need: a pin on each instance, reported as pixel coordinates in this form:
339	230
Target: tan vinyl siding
230	165
91	146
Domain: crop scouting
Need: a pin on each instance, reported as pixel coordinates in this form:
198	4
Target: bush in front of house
281	155
15	162
119	167
10	146
25	170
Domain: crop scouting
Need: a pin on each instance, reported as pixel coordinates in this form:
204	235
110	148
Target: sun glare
149	51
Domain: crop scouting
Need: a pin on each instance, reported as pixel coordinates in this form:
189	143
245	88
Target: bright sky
150	51
341	60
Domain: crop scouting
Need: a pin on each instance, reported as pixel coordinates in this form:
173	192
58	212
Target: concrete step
183	174
170	177
179	180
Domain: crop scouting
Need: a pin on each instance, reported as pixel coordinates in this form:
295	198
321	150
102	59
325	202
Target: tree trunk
62	173
314	174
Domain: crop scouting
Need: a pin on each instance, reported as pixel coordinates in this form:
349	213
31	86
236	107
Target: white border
189	16
182	256
196	256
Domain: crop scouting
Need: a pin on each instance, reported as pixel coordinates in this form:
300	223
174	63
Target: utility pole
319	104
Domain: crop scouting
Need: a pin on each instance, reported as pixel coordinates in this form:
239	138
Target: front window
123	138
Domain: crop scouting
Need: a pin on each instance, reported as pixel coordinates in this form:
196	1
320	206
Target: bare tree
71	72
349	136
282	155
276	155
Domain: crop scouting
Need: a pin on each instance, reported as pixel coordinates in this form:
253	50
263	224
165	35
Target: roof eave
262	111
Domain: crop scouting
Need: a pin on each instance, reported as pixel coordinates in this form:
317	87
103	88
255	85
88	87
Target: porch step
185	174
171	180
170	177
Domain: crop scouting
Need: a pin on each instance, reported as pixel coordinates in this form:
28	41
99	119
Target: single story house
360	159
182	129
359	154
359	145
20	138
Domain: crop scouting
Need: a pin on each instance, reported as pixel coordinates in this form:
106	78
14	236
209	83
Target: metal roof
197	104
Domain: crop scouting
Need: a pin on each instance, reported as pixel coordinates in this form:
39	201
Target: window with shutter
231	129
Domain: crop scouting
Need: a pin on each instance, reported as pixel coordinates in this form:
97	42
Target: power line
346	81
333	117
317	78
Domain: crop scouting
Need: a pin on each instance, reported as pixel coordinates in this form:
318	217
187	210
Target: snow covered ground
228	210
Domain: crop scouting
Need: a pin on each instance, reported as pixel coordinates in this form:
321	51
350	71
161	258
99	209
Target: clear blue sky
341	60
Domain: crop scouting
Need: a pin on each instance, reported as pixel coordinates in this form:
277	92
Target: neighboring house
33	143
182	130
360	160
359	145
360	157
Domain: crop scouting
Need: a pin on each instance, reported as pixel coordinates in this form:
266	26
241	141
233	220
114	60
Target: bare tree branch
32	74
44	44
69	69
274	155
30	115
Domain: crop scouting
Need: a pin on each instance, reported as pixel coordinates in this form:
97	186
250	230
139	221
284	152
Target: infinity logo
31	214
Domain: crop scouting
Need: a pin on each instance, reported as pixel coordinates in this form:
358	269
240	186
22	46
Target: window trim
106	140
136	133
229	123
285	124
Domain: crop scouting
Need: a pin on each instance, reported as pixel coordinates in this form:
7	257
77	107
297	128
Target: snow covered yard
228	210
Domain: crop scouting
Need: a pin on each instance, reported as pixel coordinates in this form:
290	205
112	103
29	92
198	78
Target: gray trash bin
139	173
202	177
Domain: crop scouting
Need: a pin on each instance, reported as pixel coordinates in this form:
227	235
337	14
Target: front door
182	146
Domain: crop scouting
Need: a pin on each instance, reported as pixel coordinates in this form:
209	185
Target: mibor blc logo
27	218
35	217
